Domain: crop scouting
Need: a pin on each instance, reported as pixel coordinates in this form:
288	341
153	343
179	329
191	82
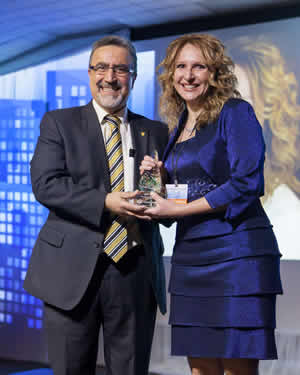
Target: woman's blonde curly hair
274	90
222	80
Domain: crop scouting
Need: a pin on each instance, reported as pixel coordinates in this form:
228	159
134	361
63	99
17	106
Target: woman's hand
164	208
149	164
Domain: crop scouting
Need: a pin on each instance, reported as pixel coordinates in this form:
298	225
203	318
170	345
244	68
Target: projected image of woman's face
243	84
266	80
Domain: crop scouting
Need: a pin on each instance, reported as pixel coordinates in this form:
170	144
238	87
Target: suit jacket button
97	245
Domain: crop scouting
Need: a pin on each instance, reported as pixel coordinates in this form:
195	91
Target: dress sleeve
245	147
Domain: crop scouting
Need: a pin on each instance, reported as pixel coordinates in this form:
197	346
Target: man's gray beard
109	101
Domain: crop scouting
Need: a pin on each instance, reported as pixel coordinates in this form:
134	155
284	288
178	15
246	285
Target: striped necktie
115	241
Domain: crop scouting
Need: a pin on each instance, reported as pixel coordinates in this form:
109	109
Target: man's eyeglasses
120	70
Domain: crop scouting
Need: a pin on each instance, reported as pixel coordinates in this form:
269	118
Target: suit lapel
174	135
100	170
140	141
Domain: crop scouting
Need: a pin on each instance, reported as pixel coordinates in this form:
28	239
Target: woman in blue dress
225	264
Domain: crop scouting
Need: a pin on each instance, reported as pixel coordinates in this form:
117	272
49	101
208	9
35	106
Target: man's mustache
114	85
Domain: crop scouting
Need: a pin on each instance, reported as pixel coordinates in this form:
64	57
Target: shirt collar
101	113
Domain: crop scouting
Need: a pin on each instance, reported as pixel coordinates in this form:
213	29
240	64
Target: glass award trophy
150	181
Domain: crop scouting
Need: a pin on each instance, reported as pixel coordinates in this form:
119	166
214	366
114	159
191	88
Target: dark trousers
121	300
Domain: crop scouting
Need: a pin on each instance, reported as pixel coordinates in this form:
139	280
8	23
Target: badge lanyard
174	161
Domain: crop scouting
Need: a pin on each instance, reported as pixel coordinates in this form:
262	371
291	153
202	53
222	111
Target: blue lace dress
223	283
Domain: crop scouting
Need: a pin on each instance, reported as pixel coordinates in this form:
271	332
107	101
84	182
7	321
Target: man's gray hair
115	40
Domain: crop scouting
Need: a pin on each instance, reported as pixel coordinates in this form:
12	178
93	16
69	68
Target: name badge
177	193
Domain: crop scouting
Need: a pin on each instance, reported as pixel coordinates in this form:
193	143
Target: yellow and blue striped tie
115	241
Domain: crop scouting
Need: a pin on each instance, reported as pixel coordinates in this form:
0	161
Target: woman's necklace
186	134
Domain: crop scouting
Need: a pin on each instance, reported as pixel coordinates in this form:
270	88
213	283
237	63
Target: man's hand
119	203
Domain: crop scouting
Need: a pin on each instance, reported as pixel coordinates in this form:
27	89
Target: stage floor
9	367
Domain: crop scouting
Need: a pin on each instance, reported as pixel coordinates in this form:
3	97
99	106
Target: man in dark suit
83	284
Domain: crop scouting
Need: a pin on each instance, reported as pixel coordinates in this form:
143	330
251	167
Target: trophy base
145	199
